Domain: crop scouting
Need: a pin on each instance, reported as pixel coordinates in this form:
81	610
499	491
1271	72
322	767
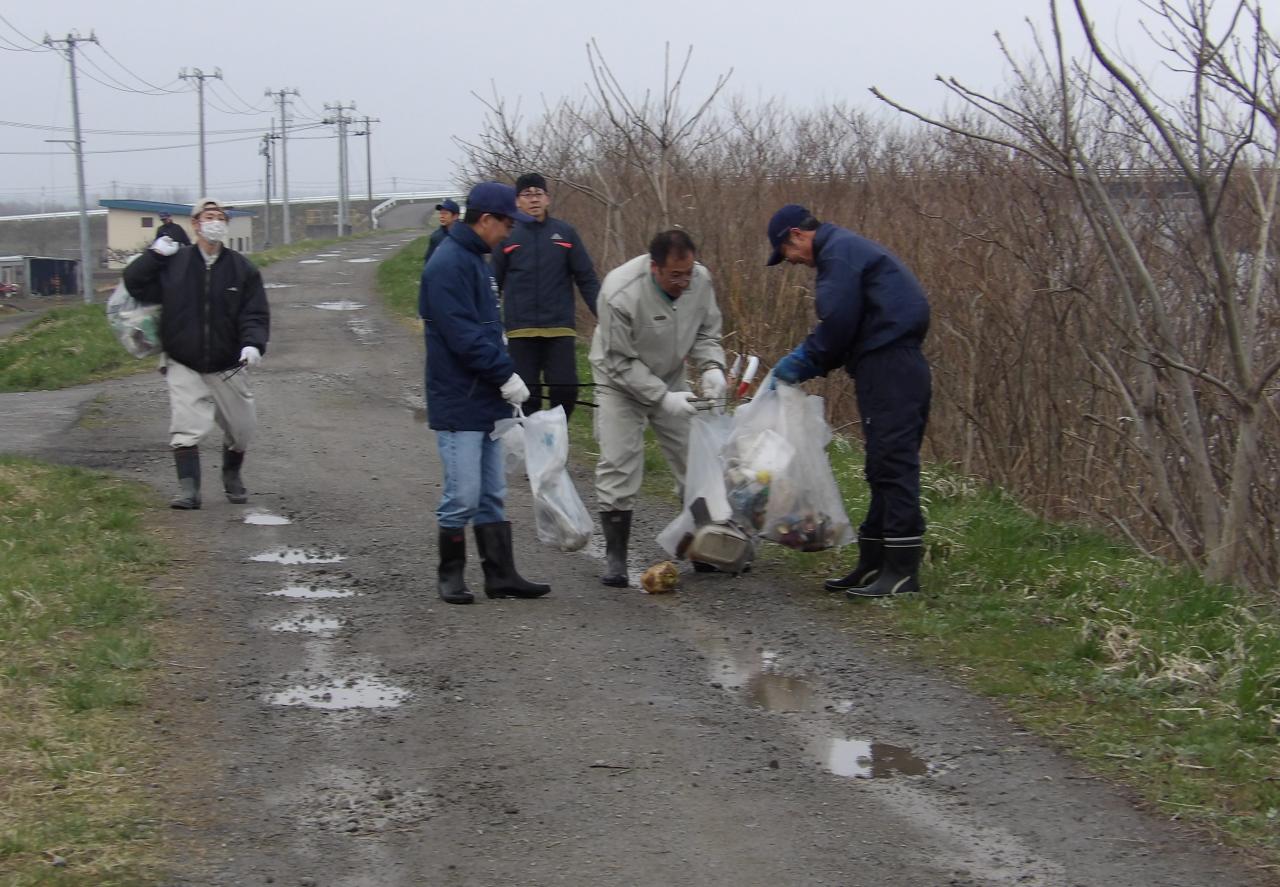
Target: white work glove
714	384
165	246
678	404
514	391
250	356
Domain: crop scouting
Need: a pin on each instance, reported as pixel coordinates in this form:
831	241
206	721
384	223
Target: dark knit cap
530	180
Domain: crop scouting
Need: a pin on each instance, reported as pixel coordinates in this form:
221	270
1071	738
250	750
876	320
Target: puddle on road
364	332
278	286
328	255
864	759
340	305
353	692
311	261
312	592
358	261
298	556
309	621
754	675
265	519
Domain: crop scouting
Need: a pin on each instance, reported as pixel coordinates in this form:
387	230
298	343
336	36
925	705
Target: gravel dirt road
328	721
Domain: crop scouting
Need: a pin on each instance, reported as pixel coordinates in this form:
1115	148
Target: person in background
658	313
172	230
447	211
873	317
536	269
214	326
471	383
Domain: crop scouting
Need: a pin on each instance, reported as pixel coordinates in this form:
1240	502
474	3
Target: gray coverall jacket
643	343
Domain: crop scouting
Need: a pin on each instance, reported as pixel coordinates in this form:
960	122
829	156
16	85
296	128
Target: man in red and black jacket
536	269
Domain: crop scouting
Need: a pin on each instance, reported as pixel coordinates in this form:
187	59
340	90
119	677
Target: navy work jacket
467	361
866	299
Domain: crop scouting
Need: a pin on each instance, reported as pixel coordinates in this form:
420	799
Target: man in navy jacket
471	382
536	269
872	320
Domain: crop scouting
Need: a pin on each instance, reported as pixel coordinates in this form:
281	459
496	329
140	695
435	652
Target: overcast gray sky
415	66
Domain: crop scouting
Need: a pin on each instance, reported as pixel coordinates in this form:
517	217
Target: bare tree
1179	199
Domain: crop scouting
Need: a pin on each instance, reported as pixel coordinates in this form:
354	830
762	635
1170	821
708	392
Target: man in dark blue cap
873	317
447	211
471	383
171	229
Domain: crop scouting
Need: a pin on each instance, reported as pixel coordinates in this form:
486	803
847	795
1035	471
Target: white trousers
619	428
199	401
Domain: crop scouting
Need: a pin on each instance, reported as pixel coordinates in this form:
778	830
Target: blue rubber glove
796	367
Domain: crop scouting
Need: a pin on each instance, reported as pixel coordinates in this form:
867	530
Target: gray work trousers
199	401
619	428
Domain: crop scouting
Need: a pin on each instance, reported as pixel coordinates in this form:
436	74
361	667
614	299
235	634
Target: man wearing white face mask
214	324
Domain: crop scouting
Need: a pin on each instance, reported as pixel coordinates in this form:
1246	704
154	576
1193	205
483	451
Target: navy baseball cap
496	199
790	216
450	205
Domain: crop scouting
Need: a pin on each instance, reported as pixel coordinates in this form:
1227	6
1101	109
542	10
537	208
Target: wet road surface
330	722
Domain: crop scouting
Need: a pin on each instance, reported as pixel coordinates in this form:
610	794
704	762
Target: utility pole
367	132
199	77
86	254
342	121
282	95
265	151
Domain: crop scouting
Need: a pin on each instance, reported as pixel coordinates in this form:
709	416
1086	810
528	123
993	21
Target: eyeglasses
533	192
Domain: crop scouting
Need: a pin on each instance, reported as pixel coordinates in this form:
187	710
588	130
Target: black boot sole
522	595
458	599
862	593
615	581
184	505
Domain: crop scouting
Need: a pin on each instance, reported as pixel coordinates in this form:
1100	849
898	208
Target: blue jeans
474	483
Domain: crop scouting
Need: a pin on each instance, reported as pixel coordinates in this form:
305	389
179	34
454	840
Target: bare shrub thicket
1101	261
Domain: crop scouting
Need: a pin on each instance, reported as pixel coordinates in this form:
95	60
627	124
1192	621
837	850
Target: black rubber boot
451	579
900	573
870	560
617	532
231	483
187	461
498	560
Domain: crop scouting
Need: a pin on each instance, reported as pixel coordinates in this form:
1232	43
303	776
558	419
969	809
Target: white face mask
213	230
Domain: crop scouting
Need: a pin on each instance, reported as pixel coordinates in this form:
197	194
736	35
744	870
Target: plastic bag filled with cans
778	479
137	326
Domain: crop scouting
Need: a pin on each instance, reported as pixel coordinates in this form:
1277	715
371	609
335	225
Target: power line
116	83
159	147
127	132
252	109
158	89
36	45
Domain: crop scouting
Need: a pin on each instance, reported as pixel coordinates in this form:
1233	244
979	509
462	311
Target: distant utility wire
130	132
36	45
159	148
250	109
142	80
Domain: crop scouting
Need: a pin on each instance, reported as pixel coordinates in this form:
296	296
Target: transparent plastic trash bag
137	326
777	474
561	519
703	479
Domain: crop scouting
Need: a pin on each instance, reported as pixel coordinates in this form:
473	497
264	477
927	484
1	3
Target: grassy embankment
74	645
74	657
1144	672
